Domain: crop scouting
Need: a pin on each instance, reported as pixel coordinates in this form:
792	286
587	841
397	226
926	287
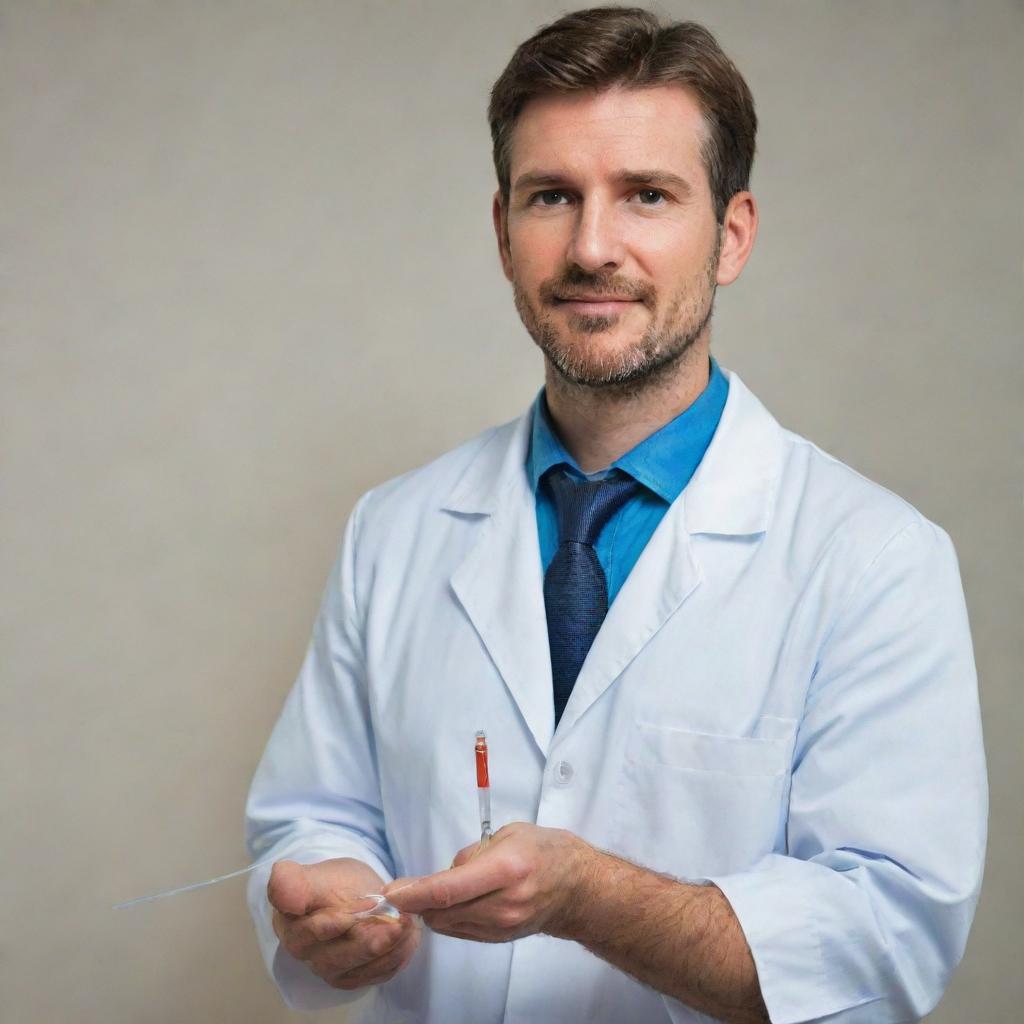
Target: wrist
582	892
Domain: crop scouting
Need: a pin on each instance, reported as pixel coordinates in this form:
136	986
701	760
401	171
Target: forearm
683	940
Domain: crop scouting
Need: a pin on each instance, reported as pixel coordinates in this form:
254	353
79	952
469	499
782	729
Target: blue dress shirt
663	463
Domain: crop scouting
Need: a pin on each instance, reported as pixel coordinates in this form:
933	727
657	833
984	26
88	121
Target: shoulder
409	497
762	476
827	479
838	516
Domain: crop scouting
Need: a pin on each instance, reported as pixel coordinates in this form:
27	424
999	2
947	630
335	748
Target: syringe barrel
484	797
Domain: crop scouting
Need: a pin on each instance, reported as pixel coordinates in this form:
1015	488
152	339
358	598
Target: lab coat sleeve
867	914
316	793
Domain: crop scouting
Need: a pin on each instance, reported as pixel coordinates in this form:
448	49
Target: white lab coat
782	699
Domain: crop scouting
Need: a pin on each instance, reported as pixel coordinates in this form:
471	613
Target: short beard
640	365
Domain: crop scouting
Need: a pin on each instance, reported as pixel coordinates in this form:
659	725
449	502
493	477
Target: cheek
672	254
681	280
538	252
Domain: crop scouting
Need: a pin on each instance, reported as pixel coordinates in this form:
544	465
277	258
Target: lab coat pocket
693	804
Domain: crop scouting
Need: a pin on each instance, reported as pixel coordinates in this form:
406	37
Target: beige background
246	272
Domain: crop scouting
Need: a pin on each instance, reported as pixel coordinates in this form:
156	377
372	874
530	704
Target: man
728	683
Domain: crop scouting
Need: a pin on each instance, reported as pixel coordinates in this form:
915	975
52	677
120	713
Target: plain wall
247	272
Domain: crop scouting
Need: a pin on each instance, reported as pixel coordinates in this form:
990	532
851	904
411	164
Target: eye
650	197
551	197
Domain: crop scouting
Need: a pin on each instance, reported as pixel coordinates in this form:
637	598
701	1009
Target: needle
188	888
381	907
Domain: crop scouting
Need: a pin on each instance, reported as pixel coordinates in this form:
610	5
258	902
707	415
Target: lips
595	305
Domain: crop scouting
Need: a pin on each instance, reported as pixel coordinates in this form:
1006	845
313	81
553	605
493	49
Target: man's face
609	238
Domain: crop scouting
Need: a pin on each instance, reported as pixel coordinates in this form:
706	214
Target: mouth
595	305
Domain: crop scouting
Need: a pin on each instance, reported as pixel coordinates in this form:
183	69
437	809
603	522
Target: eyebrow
664	179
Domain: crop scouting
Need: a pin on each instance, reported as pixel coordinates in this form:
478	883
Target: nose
596	243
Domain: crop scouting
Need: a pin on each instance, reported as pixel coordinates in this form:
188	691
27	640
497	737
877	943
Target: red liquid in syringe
483	786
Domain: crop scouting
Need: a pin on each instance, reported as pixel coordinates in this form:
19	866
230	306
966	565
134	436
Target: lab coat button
563	773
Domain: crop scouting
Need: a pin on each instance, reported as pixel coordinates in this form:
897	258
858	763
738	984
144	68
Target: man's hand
679	938
313	908
525	880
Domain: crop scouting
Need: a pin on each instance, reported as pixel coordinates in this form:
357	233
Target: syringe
483	788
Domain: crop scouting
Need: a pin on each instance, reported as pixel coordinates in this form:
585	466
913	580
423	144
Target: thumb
288	888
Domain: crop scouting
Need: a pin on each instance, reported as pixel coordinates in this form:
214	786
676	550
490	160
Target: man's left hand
527	879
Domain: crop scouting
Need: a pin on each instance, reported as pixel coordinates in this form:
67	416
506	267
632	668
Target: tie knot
585	506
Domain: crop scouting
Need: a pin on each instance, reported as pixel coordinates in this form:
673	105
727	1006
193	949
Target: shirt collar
663	462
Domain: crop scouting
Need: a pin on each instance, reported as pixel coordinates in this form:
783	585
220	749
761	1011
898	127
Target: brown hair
603	47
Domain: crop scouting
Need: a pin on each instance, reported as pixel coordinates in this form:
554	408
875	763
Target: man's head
623	152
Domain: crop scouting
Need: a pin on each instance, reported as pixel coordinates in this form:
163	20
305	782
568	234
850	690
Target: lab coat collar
733	489
731	493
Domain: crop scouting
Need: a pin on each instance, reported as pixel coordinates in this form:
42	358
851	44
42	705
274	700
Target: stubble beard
633	367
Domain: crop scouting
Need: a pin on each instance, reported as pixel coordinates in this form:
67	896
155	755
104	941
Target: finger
311	933
383	967
397	886
377	971
320	926
449	888
457	928
466	854
288	889
352	981
364	944
298	889
411	895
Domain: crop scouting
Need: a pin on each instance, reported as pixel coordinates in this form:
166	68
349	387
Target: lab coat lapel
731	494
499	583
663	578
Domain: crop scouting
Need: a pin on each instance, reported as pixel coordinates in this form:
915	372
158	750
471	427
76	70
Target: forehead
584	133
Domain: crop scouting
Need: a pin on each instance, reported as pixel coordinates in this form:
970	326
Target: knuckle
527	890
440	893
377	938
518	866
509	918
322	929
464	855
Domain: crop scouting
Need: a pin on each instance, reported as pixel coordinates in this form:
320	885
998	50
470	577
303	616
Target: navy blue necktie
575	588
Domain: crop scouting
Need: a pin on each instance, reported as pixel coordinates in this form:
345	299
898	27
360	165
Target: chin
600	365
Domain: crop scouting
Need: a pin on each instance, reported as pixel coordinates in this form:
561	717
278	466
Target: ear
739	229
501	231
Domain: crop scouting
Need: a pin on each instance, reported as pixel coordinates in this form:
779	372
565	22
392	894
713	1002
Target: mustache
580	282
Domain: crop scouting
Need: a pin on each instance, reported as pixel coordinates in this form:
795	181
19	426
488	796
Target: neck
597	425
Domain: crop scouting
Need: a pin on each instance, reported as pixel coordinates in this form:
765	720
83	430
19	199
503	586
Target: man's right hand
313	907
